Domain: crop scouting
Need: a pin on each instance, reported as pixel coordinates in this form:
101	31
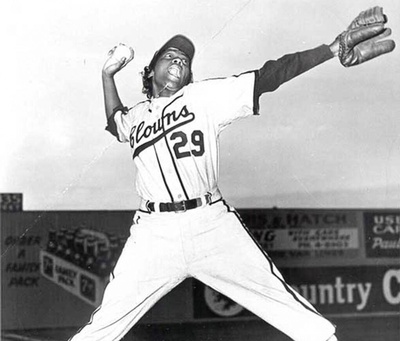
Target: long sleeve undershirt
276	72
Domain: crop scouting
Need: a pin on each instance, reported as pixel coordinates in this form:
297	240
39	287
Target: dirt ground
349	329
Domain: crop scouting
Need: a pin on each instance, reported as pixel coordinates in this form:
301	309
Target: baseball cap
179	42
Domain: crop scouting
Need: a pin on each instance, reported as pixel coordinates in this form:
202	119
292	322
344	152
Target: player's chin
176	84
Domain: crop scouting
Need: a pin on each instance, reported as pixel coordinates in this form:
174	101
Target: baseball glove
361	44
371	16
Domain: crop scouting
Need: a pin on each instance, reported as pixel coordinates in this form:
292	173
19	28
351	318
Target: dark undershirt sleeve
276	72
111	125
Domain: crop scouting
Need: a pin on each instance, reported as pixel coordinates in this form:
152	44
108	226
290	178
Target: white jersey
174	140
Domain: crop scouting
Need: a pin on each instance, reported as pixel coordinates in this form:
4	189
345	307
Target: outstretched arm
276	72
360	42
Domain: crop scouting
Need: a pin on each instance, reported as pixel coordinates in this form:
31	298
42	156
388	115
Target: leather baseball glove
364	39
370	16
361	44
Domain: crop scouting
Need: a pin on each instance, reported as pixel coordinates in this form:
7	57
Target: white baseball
122	51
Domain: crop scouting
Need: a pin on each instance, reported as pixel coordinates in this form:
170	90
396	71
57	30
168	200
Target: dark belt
179	206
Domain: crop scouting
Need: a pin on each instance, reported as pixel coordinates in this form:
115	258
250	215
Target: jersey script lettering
143	136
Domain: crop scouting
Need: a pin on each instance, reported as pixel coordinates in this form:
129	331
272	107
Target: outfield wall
346	262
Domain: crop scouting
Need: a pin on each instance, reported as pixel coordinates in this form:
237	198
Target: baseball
122	51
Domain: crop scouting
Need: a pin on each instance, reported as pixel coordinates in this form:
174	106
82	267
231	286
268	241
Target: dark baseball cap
179	42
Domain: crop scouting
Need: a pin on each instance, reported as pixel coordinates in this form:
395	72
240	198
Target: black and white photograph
200	170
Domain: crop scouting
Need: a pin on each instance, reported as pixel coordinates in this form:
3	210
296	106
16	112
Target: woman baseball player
184	228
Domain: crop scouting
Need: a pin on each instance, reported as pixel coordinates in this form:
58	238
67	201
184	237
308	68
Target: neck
165	91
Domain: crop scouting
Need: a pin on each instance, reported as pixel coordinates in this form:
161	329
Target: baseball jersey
174	140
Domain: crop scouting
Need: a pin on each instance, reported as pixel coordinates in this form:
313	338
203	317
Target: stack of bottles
91	250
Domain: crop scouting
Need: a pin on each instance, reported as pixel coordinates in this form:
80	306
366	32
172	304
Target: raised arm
118	58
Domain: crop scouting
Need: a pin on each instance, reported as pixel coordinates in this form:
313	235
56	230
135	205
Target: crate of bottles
80	261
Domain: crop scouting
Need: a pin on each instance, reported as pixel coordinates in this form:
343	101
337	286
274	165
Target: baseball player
184	227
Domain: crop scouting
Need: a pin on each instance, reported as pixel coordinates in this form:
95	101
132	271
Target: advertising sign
305	234
72	278
333	238
382	234
332	291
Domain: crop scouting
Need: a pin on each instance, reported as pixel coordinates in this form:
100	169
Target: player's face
171	72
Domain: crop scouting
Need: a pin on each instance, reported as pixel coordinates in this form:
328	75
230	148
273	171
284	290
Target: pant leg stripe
284	284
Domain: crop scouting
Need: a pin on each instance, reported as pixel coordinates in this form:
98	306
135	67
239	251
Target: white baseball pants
211	244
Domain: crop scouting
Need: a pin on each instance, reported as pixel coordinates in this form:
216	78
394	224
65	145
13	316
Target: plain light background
327	139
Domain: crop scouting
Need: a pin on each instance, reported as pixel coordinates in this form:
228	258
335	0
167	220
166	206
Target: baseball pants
211	244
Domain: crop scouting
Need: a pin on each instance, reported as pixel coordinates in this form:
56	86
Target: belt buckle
179	206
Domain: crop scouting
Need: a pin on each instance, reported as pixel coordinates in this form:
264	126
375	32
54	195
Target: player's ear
190	78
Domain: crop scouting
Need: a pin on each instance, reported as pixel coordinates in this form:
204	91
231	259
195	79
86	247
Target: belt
178	206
